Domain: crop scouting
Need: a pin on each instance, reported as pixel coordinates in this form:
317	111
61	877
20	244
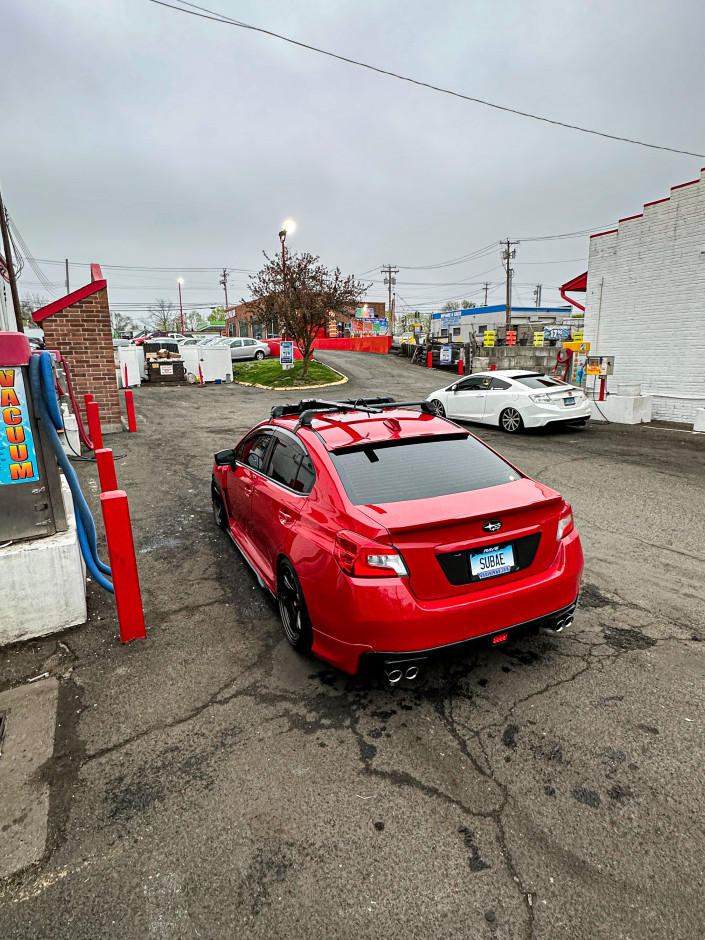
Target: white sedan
512	399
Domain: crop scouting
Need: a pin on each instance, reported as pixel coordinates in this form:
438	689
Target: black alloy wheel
438	408
221	520
510	421
292	608
259	354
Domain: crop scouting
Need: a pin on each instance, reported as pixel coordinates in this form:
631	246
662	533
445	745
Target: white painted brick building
646	300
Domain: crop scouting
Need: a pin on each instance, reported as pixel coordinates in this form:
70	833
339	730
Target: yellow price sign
538	339
489	337
578	336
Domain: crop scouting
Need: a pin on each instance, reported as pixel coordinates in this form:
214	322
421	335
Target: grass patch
269	372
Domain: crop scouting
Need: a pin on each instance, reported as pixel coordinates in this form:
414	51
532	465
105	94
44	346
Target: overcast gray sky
133	135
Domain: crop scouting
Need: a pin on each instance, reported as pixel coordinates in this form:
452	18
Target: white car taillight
541	398
565	525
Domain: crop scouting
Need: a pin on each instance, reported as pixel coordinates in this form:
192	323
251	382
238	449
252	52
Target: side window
252	450
291	466
474	383
249	342
498	384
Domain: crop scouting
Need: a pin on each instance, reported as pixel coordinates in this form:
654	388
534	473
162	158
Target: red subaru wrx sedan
390	532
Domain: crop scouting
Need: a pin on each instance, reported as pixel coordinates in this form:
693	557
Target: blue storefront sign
450	319
18	459
556	332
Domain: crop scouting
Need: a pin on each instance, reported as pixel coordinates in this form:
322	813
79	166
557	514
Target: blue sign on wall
556	332
18	459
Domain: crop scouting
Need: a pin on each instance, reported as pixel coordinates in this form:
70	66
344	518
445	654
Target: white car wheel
510	421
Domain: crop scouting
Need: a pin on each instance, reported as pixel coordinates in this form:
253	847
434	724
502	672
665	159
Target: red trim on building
63	302
656	202
630	217
681	185
577	283
599	234
96	273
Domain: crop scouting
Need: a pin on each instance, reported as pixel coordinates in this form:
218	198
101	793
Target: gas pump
31	504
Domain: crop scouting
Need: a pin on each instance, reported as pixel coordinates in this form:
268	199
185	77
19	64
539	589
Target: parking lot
210	782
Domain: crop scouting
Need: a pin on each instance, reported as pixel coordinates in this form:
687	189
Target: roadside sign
286	354
539	339
556	332
578	336
446	355
489	338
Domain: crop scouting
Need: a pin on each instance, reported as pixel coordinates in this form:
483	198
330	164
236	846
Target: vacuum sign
18	460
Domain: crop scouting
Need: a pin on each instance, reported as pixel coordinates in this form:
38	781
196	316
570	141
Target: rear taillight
565	523
365	558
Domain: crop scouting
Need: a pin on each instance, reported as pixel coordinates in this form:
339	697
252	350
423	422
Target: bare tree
451	305
193	320
28	304
162	315
121	323
304	295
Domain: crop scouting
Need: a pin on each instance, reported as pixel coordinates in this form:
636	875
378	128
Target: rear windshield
538	381
419	468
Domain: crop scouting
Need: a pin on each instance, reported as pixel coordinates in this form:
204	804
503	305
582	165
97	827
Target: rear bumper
539	416
383	616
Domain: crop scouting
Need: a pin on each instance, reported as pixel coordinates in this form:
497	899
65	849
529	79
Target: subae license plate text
490	564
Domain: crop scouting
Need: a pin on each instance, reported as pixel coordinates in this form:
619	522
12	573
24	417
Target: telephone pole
537	295
486	287
224	283
390	280
507	256
10	266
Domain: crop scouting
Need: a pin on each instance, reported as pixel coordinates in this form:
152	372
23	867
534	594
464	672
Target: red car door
279	500
250	457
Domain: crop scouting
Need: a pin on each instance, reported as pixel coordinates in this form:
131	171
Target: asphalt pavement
210	782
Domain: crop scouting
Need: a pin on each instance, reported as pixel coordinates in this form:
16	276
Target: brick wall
82	333
646	301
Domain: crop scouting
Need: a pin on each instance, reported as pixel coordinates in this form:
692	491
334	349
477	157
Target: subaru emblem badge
494	525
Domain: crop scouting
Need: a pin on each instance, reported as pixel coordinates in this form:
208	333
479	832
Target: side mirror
225	458
453	388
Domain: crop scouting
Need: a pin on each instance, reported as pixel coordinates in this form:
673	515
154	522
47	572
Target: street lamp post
180	281
288	228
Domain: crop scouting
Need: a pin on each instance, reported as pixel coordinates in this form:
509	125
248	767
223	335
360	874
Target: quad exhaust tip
396	671
557	627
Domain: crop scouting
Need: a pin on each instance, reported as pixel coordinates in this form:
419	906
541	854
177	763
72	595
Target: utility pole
389	271
537	295
486	287
224	283
10	267
68	289
507	256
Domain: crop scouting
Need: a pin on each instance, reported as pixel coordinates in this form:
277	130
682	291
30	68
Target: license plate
569	401
490	563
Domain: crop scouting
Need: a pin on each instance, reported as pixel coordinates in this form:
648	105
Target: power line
215	17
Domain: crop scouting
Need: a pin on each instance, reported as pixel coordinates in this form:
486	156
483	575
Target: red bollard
94	428
106	469
124	383
429	359
493	367
123	565
130	406
460	366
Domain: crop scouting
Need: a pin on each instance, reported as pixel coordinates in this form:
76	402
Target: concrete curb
297	388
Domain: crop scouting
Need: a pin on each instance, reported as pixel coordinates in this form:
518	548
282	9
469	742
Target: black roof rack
308	408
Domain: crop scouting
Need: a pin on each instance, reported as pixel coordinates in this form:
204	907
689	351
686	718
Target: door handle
284	517
248	489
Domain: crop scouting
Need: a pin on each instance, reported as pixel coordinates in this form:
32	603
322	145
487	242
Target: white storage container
214	362
131	360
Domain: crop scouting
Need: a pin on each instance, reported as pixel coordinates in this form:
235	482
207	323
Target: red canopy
578	283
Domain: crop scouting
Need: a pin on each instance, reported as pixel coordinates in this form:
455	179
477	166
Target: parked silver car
244	348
